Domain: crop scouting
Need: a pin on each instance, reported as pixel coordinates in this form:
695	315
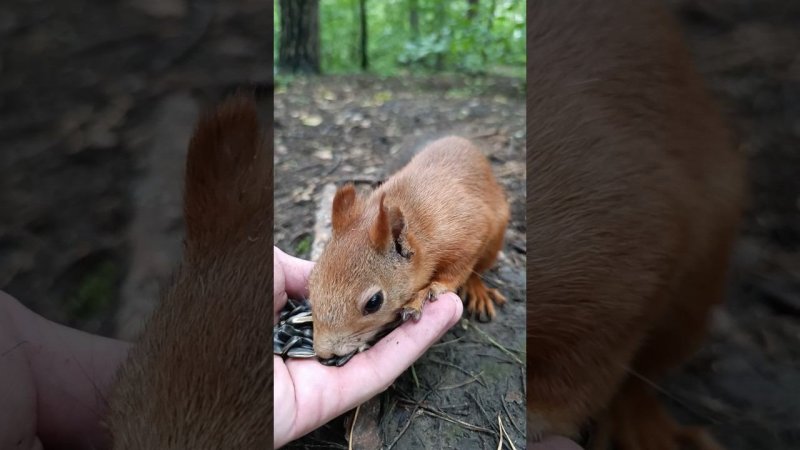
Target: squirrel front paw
410	312
413	309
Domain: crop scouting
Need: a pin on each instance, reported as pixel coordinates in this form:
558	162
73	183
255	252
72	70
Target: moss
303	246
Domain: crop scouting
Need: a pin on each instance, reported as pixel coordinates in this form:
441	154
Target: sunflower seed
301	352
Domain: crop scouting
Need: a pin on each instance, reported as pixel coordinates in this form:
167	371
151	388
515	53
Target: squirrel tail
228	186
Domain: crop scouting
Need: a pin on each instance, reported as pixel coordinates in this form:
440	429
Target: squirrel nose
324	354
323	351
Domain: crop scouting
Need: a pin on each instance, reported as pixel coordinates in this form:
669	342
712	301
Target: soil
97	101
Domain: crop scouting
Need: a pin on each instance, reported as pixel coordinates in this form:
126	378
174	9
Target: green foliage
446	40
303	246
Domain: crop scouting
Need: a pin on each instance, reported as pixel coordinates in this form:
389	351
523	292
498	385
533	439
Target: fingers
72	372
295	273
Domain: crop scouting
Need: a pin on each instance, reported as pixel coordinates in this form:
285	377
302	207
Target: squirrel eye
374	303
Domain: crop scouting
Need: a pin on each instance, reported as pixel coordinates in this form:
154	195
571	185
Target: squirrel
635	194
201	375
432	227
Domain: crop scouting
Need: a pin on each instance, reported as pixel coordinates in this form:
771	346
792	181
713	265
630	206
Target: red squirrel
635	193
432	227
201	375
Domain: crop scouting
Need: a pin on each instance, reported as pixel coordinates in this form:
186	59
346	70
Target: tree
298	51
413	18
441	18
472	9
363	15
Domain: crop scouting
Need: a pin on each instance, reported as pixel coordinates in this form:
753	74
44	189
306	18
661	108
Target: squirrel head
363	277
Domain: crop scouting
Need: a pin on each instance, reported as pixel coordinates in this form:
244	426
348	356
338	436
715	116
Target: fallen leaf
324	154
310	120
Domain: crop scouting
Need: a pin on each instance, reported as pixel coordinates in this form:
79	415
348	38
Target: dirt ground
97	100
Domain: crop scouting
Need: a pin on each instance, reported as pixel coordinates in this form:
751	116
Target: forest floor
97	102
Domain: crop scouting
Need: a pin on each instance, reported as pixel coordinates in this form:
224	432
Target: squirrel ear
399	238
387	229
344	211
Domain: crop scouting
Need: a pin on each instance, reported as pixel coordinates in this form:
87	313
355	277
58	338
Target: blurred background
97	102
745	382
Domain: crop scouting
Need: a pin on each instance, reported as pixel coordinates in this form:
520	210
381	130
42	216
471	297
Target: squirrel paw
436	289
481	300
413	309
409	312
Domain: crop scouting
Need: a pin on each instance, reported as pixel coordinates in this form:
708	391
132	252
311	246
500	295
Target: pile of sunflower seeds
293	335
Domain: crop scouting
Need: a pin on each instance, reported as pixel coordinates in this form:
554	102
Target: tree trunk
441	13
472	9
413	18
490	19
299	50
363	13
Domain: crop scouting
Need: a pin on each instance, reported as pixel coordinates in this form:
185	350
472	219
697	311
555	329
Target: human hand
53	381
309	394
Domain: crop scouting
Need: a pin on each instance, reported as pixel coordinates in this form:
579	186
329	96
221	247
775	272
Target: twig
414	375
454	386
352	428
480	406
510	417
337	161
504	433
497	344
467	425
463	370
442	344
410	418
436	412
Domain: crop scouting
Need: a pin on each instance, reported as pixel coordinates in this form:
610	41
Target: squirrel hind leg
480	299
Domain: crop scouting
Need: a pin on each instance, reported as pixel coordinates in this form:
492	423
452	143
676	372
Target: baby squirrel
635	193
432	227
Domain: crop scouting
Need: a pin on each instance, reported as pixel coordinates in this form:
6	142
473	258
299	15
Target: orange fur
421	233
634	197
201	375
